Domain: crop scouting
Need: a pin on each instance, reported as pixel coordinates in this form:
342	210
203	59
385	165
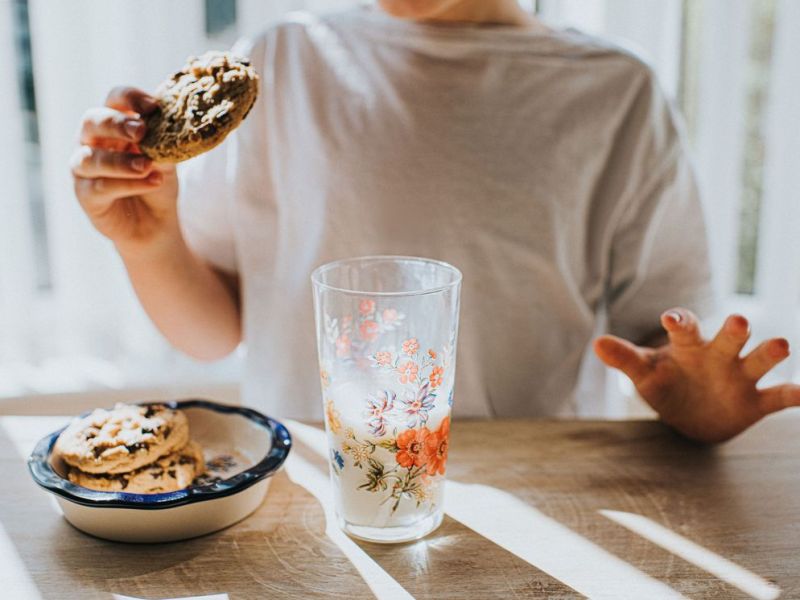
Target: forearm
186	299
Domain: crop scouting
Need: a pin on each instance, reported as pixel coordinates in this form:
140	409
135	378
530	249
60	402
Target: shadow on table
629	492
455	562
452	562
539	532
493	543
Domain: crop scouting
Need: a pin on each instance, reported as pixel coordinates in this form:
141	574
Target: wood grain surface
529	494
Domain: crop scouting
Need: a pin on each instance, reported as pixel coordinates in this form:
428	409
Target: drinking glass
386	337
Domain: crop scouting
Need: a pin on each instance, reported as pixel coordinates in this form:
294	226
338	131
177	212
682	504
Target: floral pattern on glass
332	417
337	461
352	336
378	408
398	451
419	453
417	405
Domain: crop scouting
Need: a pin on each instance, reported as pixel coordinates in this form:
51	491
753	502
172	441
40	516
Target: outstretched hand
702	388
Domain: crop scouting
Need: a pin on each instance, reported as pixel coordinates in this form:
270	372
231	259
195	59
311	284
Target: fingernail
134	129
139	163
740	322
674	316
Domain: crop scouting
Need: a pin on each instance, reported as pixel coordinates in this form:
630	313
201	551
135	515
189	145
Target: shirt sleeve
659	251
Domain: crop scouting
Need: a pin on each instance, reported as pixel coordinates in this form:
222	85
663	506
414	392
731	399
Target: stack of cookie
141	449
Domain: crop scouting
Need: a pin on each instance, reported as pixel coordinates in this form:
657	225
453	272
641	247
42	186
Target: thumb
623	355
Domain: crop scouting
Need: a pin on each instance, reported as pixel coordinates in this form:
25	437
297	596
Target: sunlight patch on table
16	582
548	545
23	432
312	437
316	482
737	576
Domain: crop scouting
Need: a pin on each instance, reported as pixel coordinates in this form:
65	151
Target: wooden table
537	509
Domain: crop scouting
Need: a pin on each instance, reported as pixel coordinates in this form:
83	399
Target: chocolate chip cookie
123	439
169	473
199	105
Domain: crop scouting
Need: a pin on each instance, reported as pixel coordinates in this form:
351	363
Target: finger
623	355
115	144
104	189
777	398
682	328
732	337
764	357
95	162
129	99
105	123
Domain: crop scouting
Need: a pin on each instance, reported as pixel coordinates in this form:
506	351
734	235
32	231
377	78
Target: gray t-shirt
547	167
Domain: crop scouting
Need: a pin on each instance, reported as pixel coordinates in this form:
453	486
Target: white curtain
87	330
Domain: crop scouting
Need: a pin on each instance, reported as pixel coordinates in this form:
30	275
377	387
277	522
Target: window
220	15
756	67
757	86
33	161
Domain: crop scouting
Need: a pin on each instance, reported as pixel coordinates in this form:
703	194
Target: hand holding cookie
123	171
128	197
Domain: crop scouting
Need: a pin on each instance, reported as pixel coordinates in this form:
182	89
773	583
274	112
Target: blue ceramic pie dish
242	448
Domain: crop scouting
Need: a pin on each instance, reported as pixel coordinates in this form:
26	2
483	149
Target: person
547	165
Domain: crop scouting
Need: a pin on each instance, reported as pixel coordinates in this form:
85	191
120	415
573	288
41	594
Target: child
546	165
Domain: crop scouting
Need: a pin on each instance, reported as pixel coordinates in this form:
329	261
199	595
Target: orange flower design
390	316
332	417
366	307
411	346
368	330
325	378
436	376
343	345
408	372
436	444
432	354
384	359
411	447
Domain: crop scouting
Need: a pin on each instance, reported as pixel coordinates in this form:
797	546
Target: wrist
165	245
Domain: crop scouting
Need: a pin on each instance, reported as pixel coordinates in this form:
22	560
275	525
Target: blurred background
68	319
